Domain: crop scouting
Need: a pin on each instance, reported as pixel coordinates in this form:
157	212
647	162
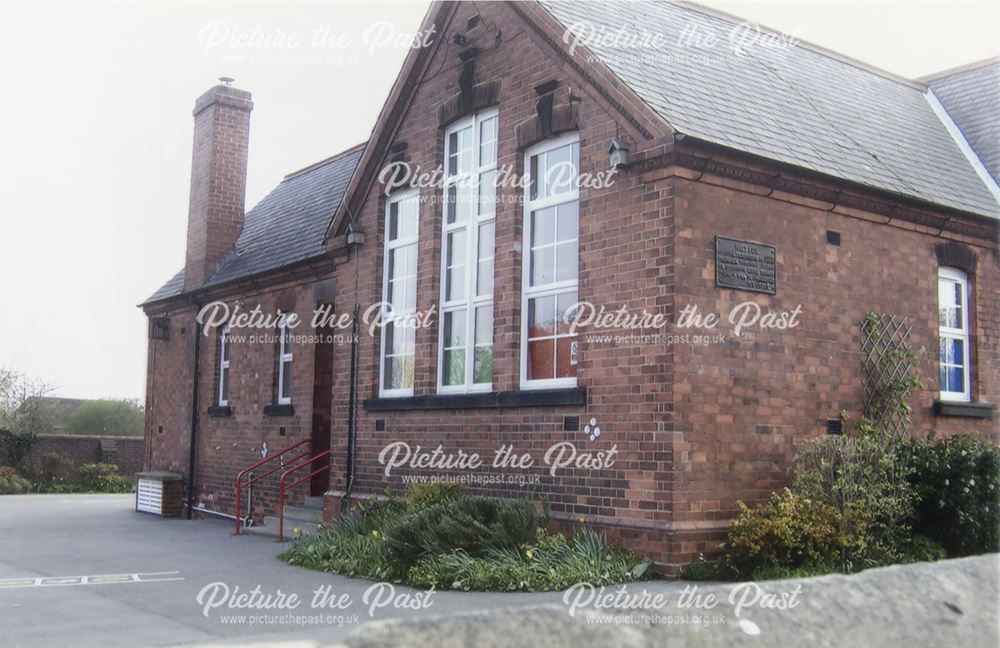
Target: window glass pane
225	347
564	303
453	369
393	221
483	370
454	328
462	197
566	261
541	359
484	271
541	316
484	325
455	271
567	222
533	179
952	351
565	361
224	379
542	261
406	211
488	193
453	153
286	380
543	227
487	142
483	352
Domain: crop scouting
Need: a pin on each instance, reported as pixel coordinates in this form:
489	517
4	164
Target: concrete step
314	503
303	514
270	528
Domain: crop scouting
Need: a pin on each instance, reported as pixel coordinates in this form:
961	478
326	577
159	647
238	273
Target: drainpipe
351	416
194	418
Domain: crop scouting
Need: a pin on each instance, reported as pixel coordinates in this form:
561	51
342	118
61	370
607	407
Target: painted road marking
100	579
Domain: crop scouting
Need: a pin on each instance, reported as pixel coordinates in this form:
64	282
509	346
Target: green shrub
472	524
551	562
789	530
11	483
864	479
704	570
957	482
103	478
55	468
355	546
440	538
422	495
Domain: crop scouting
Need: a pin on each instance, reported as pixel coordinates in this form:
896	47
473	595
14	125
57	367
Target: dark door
322	411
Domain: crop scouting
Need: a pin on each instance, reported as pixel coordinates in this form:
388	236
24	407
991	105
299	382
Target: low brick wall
124	452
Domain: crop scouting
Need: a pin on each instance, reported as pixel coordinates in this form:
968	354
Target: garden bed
439	537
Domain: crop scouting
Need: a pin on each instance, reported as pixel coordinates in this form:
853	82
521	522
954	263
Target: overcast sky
95	138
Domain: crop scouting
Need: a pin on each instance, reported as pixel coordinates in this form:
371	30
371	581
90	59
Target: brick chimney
218	179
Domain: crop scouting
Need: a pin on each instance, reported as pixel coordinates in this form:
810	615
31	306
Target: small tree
23	415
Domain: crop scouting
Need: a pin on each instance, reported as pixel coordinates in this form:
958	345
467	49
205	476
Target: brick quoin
696	427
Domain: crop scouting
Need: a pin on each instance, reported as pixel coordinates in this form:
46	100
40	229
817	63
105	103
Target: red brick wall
625	238
227	444
743	406
124	452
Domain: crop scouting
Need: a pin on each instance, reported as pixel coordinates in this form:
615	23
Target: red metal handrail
240	485
281	487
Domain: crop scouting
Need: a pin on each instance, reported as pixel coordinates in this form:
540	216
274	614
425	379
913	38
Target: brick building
785	183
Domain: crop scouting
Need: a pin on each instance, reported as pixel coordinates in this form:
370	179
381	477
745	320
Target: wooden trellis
887	363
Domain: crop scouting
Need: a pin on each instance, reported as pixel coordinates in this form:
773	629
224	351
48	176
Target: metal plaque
745	266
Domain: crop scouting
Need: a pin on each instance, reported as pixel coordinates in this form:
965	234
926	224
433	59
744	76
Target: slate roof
285	227
797	104
971	95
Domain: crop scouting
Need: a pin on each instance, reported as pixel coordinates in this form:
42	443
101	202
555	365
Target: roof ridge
958	69
916	84
324	162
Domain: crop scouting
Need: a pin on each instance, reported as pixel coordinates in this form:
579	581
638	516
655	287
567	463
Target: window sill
278	410
978	410
484	400
220	411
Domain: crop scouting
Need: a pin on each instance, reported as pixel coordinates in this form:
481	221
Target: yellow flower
530	553
376	534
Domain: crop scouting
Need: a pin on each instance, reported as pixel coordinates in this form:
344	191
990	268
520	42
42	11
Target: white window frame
285	357
470	302
223	365
527	291
406	313
955	276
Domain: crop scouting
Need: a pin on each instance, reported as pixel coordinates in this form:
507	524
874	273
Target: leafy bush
551	562
422	495
864	479
957	482
58	474
443	539
54	468
789	530
472	524
11	483
103	478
